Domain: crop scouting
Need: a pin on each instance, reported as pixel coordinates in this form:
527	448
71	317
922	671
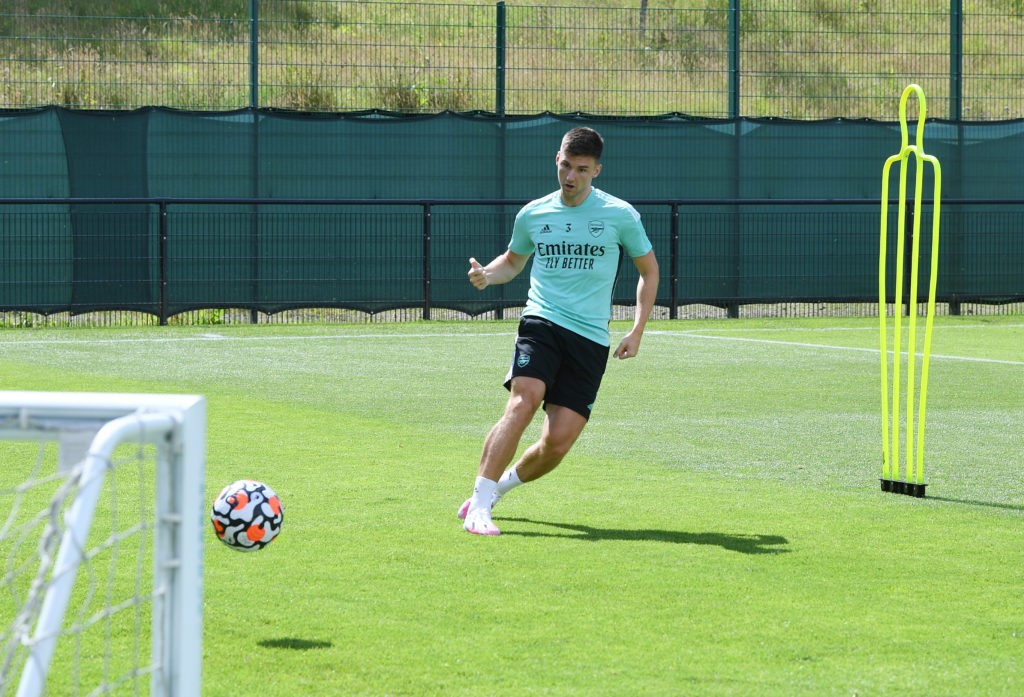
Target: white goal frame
176	425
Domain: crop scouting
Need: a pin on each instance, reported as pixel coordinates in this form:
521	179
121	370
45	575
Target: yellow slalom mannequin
891	469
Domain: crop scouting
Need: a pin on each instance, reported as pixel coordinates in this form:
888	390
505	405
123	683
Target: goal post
101	543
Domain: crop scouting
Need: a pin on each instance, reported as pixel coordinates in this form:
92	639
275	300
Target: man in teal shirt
575	235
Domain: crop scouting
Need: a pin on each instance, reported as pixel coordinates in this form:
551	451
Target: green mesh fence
165	212
705	58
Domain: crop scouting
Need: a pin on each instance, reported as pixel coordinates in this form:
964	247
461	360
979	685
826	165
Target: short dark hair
583	141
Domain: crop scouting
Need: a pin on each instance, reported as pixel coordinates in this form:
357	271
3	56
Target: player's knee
556	448
521	408
527	401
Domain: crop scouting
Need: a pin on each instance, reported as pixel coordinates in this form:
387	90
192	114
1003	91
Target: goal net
101	535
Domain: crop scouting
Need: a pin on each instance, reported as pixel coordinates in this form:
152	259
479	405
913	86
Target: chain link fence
704	58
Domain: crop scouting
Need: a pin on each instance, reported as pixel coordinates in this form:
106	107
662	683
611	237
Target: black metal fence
705	58
164	257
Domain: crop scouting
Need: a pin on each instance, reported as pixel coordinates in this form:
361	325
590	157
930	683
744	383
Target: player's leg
569	401
526	396
562	427
509	481
538	357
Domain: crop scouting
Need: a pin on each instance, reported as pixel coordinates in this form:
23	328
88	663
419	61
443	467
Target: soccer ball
247	515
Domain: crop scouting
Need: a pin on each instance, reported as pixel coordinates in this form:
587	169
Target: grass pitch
718	530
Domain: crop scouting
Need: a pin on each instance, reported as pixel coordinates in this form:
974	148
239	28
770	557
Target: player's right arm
502	269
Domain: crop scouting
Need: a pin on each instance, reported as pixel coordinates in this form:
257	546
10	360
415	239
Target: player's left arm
646	294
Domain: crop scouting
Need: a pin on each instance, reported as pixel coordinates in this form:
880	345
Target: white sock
509	481
483	493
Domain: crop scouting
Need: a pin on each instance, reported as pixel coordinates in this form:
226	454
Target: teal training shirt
576	258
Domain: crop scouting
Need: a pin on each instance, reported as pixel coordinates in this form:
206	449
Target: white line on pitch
873	327
803	344
213	338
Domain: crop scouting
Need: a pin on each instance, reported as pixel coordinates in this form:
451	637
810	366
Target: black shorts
570	365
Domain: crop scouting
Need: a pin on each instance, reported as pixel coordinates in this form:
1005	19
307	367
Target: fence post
254	54
499	59
254	105
733	308
427	212
673	264
734	59
956	104
956	59
163	263
501	51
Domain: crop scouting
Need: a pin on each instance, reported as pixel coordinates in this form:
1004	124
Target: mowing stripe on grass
694	334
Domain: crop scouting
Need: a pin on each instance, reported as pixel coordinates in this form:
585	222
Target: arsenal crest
596	227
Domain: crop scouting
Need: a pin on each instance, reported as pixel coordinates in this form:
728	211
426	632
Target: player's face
575	172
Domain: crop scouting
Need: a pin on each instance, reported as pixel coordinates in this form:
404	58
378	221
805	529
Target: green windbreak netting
375	211
114	263
36	255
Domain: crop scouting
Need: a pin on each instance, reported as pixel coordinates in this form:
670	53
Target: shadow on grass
745	544
294	644
971	502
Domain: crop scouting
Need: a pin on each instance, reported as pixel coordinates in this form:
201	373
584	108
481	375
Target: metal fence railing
167	257
705	58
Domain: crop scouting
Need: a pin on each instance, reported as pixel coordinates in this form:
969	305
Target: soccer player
576	235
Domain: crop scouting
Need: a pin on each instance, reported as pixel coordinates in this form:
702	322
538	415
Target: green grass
718	530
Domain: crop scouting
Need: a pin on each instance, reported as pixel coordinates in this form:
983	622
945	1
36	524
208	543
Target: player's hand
477	274
628	347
